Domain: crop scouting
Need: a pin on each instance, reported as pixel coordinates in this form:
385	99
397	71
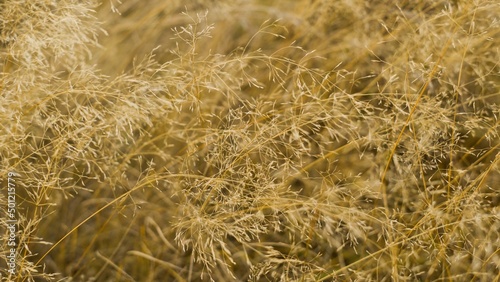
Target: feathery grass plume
304	141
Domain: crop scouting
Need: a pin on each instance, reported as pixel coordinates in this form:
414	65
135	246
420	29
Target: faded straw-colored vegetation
236	140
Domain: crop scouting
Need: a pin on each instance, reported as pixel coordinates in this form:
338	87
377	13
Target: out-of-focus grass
249	141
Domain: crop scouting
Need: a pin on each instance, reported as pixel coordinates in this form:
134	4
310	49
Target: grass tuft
246	141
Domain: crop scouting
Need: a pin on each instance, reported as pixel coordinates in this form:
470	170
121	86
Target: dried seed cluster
161	142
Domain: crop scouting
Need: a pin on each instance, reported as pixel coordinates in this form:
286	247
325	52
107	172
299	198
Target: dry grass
156	141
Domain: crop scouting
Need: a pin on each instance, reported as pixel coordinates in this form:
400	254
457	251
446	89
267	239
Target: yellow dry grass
251	140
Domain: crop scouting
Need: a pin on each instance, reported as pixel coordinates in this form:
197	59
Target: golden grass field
250	140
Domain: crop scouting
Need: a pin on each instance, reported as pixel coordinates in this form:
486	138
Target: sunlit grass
245	141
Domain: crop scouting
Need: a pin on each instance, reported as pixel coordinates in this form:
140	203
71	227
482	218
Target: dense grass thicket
250	140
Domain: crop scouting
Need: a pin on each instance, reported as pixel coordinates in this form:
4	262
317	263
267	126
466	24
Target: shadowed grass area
248	141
